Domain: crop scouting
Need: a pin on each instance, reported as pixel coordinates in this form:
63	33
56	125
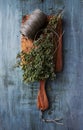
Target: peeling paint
18	109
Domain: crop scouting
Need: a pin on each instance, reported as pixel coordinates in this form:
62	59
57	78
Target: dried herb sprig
39	64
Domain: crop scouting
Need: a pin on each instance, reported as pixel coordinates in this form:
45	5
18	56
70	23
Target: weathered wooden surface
18	101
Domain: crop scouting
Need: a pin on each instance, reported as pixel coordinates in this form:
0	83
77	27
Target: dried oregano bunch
39	63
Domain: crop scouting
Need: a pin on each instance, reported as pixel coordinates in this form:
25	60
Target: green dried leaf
39	62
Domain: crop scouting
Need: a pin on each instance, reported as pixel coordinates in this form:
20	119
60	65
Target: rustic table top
18	109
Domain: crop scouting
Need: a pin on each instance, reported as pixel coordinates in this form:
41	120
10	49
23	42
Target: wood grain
18	101
27	45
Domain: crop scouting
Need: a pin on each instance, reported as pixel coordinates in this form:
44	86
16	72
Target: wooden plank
17	100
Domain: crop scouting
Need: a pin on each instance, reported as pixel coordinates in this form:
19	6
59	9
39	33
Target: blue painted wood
17	100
